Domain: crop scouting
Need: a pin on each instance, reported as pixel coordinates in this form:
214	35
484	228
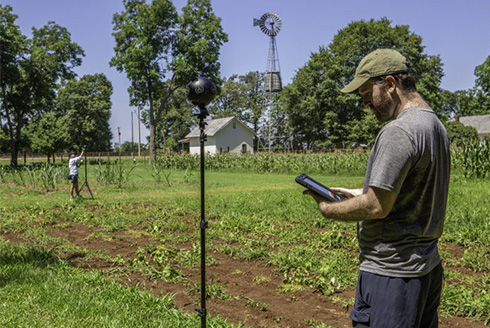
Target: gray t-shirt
410	157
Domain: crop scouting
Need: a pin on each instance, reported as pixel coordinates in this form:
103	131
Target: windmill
270	24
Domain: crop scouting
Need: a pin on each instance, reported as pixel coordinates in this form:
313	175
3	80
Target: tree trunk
14	150
153	154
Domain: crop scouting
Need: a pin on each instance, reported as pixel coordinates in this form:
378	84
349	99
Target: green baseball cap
378	63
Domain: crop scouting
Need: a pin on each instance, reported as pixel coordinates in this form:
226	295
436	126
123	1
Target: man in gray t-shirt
400	210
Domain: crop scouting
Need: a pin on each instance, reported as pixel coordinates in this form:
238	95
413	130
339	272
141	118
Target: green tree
177	120
459	103
4	140
482	89
315	90
34	70
241	96
231	100
86	106
254	97
161	51
129	146
460	134
364	130
48	134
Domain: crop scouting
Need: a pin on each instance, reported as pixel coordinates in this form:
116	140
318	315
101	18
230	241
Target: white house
224	135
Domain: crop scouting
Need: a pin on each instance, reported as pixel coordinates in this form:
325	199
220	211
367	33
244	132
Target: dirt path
251	294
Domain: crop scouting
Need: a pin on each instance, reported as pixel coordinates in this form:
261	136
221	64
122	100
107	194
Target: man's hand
348	193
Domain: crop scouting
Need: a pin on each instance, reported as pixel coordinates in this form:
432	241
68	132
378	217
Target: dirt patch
250	288
120	243
12	237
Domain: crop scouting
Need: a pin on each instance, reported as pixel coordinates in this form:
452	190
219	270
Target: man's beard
382	107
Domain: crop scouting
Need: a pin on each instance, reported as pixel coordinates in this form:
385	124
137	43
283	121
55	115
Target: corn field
274	163
473	159
45	176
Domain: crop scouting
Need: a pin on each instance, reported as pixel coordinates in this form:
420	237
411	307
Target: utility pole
139	134
119	134
132	136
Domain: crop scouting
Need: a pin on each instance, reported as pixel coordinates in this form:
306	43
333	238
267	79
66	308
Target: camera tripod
85	183
200	92
202	113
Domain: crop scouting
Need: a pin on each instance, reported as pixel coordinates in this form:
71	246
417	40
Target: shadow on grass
12	257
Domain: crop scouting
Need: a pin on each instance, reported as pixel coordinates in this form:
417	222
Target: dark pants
73	178
386	302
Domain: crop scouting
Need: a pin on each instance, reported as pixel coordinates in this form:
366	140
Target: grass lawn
130	258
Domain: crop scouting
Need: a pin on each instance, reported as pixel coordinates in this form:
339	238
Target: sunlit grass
252	217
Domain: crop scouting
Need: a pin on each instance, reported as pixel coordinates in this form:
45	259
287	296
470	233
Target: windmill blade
265	29
270	23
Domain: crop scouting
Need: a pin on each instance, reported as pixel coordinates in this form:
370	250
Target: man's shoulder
412	120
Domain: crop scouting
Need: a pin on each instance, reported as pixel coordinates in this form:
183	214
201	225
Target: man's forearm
353	209
374	204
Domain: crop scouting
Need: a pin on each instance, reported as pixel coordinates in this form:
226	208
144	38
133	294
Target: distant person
400	210
73	176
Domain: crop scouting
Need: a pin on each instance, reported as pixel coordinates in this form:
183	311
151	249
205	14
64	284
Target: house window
244	148
220	150
234	125
228	149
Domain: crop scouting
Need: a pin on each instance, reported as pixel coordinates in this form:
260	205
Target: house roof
214	126
480	122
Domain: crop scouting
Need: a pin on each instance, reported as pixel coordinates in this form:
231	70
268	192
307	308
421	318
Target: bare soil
252	285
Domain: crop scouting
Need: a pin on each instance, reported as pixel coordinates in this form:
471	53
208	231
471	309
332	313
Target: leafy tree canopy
319	113
31	72
86	106
161	51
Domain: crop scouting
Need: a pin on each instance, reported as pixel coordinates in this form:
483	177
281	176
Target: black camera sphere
201	91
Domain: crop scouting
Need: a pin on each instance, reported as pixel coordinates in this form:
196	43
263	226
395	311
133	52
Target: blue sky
458	31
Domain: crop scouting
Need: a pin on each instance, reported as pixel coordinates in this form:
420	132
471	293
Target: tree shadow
14	256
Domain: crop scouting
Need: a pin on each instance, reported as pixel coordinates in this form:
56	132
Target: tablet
318	188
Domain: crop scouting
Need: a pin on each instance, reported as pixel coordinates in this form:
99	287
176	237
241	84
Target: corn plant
476	160
3	173
273	163
113	174
159	171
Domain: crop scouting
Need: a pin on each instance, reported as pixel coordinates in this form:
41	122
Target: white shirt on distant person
73	165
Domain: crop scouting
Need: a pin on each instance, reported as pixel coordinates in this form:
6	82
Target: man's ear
391	83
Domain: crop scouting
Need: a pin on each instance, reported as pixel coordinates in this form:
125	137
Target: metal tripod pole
204	224
85	184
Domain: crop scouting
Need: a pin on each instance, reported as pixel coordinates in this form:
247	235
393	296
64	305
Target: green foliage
241	96
117	174
49	134
482	88
85	106
176	120
460	134
32	71
44	175
476	159
159	171
332	163
252	216
161	52
39	291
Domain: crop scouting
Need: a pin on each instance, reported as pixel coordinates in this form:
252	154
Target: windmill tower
270	24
